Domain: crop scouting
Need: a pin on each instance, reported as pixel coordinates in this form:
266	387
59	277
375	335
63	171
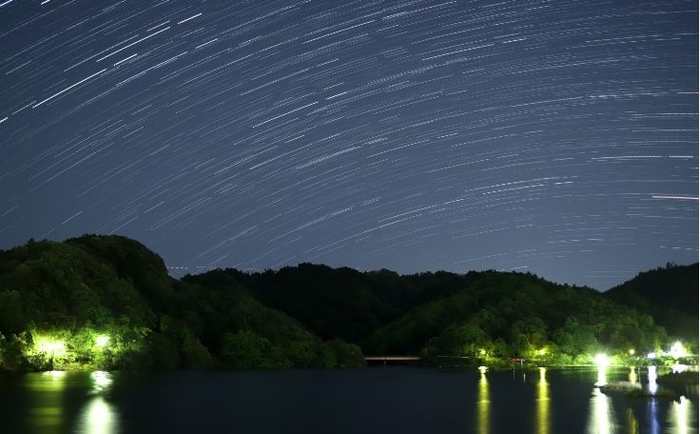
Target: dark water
374	400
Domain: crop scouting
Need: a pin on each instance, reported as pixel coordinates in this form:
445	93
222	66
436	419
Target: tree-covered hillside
669	295
339	302
107	302
503	315
476	316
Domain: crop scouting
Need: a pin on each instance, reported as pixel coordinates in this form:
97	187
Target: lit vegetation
106	302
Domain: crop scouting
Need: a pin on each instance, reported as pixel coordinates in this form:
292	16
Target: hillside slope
107	302
669	295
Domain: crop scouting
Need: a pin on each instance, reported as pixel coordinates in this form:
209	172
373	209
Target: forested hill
668	294
480	315
107	302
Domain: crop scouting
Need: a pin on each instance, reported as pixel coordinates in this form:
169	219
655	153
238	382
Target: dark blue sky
556	137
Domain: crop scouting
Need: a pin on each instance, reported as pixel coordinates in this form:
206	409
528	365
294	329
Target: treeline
107	302
481	317
669	294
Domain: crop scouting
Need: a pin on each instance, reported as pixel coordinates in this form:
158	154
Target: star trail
554	137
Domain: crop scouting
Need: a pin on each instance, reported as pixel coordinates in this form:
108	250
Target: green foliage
344	355
56	299
669	295
246	349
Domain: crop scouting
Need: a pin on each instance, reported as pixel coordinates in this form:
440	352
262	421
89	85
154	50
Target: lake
372	400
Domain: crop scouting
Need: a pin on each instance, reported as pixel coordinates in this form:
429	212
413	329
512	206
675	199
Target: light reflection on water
653	387
602	379
47	412
653	419
542	423
99	403
483	419
679	415
98	415
601	420
50	410
634	378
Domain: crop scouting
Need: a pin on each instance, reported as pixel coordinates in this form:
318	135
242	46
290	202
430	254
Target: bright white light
677	350
50	347
601	360
102	341
678	368
482	369
651	355
653	387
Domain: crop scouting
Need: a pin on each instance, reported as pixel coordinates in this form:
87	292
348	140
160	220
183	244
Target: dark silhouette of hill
669	294
502	314
339	302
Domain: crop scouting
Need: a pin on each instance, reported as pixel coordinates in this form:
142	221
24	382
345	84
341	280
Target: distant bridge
386	359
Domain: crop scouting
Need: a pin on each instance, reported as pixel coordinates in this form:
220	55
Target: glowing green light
482	369
102	341
51	347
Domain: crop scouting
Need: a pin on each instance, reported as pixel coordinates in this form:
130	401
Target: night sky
555	137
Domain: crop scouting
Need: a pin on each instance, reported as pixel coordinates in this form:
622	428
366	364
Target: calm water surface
387	400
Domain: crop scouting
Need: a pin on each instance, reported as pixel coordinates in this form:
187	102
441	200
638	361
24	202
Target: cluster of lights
51	347
676	351
57	348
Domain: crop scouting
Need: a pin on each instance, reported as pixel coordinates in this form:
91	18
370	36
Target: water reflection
602	417
98	415
653	419
653	387
634	378
542	423
483	409
101	381
602	380
680	416
632	422
46	413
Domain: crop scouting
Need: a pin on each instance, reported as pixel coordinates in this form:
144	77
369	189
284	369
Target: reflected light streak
680	416
653	416
98	416
632	422
542	398
601	420
101	381
653	387
46	409
602	380
483	410
634	378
